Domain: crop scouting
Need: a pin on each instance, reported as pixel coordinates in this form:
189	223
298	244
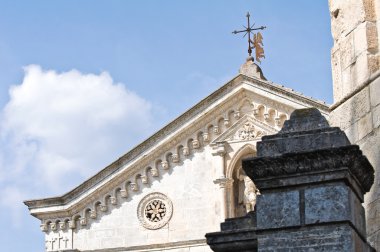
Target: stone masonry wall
356	71
185	186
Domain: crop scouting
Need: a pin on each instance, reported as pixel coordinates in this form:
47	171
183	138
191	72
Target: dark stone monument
312	182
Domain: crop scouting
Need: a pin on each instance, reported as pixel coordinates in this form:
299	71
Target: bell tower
356	80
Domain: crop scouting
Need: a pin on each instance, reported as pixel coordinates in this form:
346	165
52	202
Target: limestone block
373	216
345	16
360	71
365	125
352	133
370	9
370	149
373	63
352	110
347	49
374	90
376	117
374	240
336	73
275	210
365	38
346	84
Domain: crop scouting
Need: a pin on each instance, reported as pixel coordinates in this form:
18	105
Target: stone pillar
355	61
221	179
312	183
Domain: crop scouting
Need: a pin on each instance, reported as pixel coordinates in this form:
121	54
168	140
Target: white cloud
59	128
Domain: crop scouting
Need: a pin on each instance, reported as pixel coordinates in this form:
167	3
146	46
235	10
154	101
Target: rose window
154	211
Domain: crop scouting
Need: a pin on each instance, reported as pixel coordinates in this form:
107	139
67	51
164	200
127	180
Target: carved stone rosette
154	210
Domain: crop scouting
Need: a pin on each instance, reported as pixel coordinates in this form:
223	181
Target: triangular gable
246	128
164	149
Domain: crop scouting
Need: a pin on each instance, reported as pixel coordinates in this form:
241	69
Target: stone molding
346	157
154	247
134	169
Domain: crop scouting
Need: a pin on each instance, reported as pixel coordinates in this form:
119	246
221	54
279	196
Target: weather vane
257	41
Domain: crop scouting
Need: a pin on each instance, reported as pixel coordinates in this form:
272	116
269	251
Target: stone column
312	183
221	179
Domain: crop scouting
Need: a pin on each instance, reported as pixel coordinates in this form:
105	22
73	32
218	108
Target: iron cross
248	30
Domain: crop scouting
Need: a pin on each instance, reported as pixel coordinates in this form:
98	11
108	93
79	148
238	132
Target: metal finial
257	41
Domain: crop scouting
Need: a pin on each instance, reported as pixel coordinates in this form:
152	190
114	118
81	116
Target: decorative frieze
186	151
196	144
175	158
241	126
165	165
113	200
62	225
103	208
93	214
44	227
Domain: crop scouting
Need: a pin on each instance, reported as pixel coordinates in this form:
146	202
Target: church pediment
246	128
244	109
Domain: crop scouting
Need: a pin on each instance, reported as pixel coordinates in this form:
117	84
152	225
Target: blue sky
82	82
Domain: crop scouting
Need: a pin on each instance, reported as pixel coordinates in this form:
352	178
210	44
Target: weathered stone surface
276	210
374	90
300	133
326	204
238	234
345	16
304	120
339	177
365	125
251	69
332	238
307	144
360	72
376	117
352	110
336	73
311	193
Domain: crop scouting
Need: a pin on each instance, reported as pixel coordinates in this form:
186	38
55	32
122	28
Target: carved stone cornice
196	128
306	145
346	157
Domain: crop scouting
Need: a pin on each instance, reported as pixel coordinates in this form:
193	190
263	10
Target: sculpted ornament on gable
247	128
247	132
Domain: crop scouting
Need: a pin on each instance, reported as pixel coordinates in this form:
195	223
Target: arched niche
236	206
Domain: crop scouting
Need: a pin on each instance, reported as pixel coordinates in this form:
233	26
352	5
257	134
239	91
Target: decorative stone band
186	144
348	157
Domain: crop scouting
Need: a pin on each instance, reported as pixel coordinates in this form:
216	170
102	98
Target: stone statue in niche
246	194
250	194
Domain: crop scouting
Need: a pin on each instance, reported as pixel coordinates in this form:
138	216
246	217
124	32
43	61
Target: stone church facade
179	184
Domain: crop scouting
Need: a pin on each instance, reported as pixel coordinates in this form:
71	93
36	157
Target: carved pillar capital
219	149
224	182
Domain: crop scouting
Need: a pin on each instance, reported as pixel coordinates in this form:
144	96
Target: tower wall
355	64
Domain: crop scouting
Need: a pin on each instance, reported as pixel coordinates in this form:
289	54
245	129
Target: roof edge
171	126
